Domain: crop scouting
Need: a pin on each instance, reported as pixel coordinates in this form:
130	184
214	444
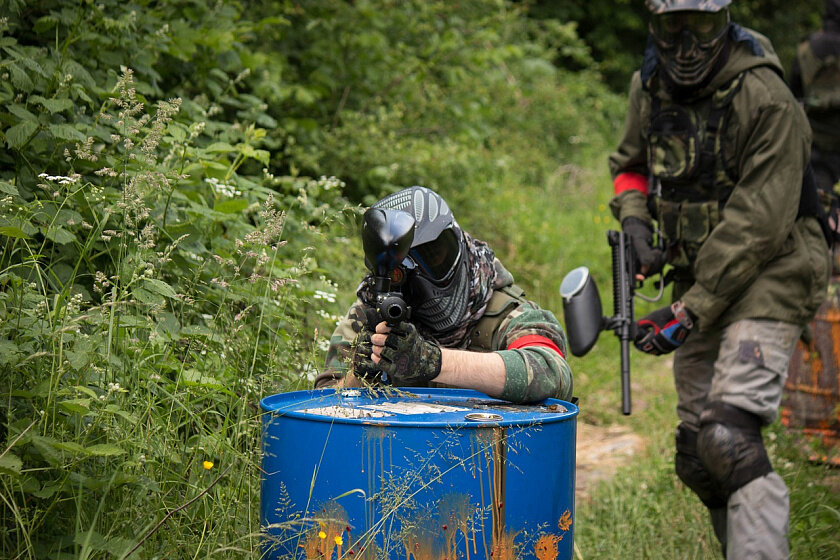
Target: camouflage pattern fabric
408	358
533	373
665	6
340	353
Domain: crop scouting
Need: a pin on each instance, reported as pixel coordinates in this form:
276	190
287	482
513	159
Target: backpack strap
811	205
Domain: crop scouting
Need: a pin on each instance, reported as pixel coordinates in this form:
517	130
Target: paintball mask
433	277
690	37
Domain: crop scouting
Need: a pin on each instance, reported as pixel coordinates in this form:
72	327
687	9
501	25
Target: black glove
664	330
651	259
361	364
408	358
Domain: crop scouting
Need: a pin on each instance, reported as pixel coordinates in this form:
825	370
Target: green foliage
155	279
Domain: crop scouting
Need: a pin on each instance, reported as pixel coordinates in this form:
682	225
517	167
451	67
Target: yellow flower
208	465
322	535
339	540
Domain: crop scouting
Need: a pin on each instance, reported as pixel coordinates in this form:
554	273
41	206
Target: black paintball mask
434	276
690	44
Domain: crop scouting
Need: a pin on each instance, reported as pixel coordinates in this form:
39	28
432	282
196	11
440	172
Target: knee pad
692	472
730	447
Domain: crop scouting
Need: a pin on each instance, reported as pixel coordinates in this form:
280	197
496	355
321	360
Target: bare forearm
482	371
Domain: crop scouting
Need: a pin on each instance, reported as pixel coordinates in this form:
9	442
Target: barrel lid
413	406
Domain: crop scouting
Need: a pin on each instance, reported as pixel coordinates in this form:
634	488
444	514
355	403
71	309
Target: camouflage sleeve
631	156
534	371
339	351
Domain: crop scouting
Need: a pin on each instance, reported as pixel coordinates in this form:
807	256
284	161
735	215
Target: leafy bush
155	278
177	219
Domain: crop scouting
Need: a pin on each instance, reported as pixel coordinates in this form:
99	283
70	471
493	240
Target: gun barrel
626	406
623	264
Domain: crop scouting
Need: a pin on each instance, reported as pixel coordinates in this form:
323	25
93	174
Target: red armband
630	182
534	340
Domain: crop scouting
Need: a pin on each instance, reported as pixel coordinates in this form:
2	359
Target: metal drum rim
548	417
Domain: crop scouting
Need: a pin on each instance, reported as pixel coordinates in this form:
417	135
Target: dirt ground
601	450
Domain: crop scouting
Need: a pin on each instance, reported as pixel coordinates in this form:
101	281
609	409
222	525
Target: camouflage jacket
532	372
756	257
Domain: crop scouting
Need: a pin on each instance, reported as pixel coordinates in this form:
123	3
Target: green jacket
532	372
758	260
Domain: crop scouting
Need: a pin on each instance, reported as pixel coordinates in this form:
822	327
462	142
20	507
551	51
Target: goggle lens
438	258
705	26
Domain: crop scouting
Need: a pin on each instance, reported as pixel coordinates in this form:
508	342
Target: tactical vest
484	337
821	88
691	180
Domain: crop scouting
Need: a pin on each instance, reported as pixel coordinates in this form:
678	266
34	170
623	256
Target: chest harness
692	175
691	178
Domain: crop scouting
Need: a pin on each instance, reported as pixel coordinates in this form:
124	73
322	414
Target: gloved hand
362	365
640	232
408	358
664	330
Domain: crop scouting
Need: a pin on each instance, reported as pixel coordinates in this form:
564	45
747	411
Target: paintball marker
387	235
582	307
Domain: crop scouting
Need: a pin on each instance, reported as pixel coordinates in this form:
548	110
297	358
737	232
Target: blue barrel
416	473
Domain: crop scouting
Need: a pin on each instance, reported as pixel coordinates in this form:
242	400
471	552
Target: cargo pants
744	365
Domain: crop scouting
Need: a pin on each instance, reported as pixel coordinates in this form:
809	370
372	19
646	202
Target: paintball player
815	80
470	326
714	150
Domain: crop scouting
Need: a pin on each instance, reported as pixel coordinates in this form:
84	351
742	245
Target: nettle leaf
71	447
59	235
21	112
18	135
20	79
76	406
8	188
79	73
12	231
46	446
78	360
104	450
10	464
65	216
114	409
222	147
159	287
177	131
233	206
145	296
32	65
86	390
66	132
45	23
52	105
8	352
